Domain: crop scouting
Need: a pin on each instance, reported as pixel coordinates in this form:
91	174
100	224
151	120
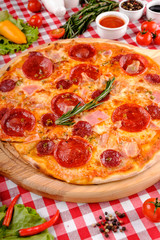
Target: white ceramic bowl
71	3
112	33
132	15
150	14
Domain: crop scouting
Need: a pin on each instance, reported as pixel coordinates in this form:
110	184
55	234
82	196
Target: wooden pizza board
24	175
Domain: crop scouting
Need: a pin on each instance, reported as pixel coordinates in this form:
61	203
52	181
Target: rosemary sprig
66	119
79	21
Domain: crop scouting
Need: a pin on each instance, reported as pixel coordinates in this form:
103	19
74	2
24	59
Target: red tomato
57	33
151	209
156	37
144	38
34	6
149	25
35	21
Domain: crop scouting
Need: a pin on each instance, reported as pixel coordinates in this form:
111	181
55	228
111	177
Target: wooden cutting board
24	175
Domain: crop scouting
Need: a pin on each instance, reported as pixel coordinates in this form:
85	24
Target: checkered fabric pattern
76	220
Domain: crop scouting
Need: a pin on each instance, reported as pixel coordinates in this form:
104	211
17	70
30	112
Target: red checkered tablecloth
76	220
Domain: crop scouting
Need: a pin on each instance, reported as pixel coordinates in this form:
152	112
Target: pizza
84	111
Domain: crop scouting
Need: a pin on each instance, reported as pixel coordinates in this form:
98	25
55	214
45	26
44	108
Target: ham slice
30	89
103	139
107	53
131	149
133	68
95	117
153	126
156	96
32	138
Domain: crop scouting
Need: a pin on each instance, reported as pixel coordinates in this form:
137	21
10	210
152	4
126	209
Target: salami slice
96	93
152	78
7	85
45	147
133	64
82	129
110	158
74	152
48	119
63	84
90	70
65	102
82	52
37	67
133	117
16	121
116	58
154	111
2	112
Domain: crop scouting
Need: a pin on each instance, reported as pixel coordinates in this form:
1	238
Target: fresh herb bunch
79	21
66	119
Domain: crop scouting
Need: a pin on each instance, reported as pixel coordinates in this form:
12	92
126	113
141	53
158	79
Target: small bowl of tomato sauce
112	25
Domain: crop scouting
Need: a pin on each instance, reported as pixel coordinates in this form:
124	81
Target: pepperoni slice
154	111
110	158
37	67
2	112
82	129
133	64
152	78
133	117
96	93
82	52
7	85
48	119
74	152
45	147
90	70
64	102
63	84
16	121
116	58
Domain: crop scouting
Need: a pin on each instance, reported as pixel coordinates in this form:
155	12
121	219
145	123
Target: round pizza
85	111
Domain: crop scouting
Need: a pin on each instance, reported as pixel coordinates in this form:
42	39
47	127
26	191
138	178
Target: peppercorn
131	5
106	213
100	217
123	228
106	235
101	230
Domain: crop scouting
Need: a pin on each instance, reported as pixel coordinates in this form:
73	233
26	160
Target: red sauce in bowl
111	22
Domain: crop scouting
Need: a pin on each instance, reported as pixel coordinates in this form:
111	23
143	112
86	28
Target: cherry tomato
151	209
144	38
57	33
149	25
34	6
35	21
156	37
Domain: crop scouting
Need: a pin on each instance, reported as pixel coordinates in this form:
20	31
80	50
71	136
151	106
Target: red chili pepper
9	212
40	228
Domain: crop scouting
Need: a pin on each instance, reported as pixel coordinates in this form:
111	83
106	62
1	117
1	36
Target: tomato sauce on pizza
50	114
